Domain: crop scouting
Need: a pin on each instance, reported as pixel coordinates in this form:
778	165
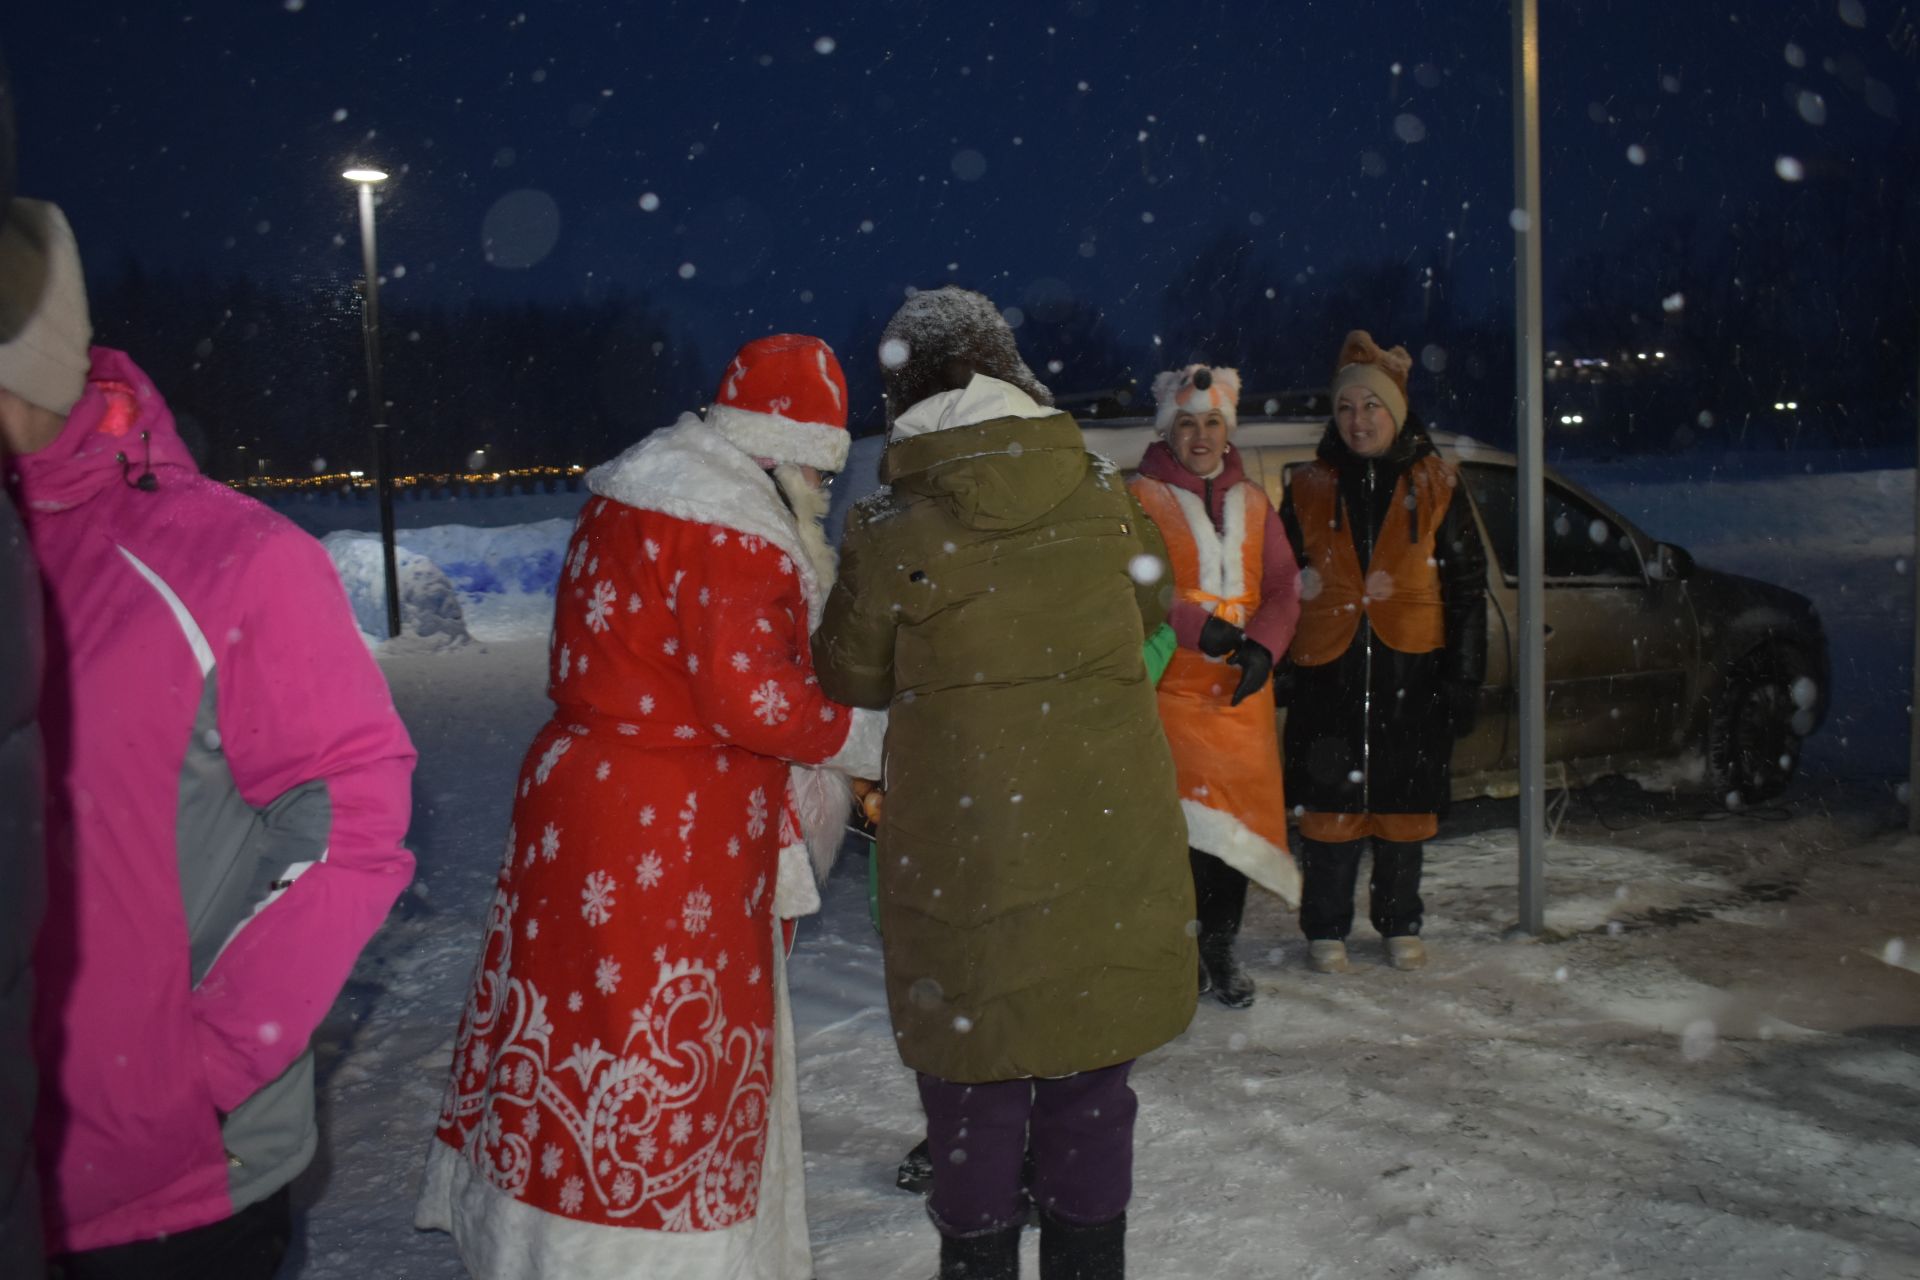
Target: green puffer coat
1035	898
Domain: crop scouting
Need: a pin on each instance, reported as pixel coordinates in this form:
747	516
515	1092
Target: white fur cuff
862	755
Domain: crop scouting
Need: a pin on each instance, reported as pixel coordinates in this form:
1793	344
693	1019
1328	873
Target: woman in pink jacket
228	786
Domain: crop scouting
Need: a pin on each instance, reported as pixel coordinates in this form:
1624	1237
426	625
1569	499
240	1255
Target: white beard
822	798
809	503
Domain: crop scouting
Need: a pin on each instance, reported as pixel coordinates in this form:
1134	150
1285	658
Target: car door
1619	644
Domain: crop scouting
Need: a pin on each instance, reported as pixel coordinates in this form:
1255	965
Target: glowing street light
365	178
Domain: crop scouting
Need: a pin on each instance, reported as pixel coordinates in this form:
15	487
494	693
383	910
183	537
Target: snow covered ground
1710	1068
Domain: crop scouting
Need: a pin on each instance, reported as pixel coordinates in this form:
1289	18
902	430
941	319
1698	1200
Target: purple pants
1080	1129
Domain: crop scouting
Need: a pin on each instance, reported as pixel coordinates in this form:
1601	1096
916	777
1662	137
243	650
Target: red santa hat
784	398
1196	389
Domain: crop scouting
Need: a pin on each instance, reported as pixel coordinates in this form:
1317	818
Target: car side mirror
1669	563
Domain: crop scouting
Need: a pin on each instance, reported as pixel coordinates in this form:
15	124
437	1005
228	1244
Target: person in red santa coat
622	1097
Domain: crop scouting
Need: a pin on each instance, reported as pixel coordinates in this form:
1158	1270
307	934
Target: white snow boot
1328	956
1406	952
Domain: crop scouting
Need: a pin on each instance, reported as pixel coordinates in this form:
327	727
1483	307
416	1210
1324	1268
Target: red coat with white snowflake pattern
614	1063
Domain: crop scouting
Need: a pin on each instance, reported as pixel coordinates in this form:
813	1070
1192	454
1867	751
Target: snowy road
1725	1083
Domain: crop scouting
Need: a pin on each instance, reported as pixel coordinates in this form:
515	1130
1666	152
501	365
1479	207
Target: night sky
764	164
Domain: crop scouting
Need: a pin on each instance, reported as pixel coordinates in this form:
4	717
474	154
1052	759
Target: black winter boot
993	1255
1070	1252
1231	985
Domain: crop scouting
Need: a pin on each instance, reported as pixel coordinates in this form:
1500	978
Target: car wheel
1753	747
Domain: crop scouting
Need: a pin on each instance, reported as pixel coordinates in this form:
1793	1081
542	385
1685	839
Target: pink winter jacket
229	784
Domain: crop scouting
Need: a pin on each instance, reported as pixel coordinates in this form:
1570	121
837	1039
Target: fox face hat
1196	389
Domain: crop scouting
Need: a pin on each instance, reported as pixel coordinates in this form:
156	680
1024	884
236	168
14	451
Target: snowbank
493	583
429	606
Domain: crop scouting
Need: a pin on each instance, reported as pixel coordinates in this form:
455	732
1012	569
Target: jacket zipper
1366	661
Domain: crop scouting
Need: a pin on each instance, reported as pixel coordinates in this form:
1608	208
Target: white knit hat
44	330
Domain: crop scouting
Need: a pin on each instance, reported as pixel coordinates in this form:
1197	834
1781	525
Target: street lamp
365	179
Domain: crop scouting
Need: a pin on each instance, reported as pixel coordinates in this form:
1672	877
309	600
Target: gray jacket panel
234	860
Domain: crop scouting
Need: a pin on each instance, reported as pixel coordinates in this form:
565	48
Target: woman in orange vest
1387	663
1233	612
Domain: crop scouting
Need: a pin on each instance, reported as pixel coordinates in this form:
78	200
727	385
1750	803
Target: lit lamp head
365	175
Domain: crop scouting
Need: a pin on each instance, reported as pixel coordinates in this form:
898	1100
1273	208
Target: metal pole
1913	693
1530	637
382	449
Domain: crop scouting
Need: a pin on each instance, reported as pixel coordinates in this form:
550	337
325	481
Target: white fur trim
1233	542
982	400
1234	843
822	801
1206	541
692	472
862	755
501	1238
1222	553
795	892
768	435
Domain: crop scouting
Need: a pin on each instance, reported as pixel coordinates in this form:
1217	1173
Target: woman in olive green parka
1035	902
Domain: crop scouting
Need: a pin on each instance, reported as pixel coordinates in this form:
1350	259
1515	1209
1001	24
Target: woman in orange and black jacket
1388	659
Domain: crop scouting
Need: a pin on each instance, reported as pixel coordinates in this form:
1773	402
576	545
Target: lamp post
365	179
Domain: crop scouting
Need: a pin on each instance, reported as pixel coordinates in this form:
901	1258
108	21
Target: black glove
1218	637
1463	706
1255	664
1283	681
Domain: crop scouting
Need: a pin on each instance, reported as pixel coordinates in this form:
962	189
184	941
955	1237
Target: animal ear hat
1196	389
1363	363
